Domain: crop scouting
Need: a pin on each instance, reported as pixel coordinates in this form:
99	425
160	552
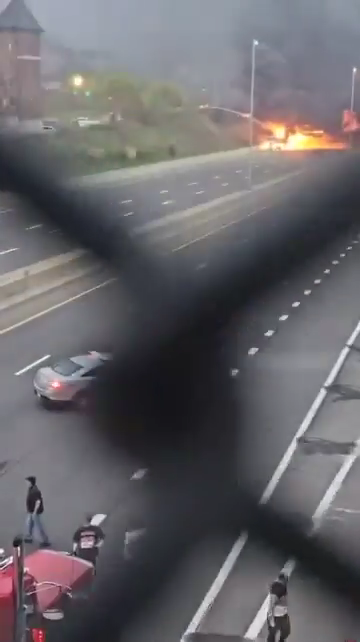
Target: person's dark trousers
281	631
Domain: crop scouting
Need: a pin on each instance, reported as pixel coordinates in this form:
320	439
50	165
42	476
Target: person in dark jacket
278	617
35	511
87	540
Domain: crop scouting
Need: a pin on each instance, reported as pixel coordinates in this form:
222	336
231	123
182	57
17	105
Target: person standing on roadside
87	541
278	617
35	510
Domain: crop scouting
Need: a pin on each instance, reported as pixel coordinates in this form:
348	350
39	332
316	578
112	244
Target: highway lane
287	373
26	238
58	447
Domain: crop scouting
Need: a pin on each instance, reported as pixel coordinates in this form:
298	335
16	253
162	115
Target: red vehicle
48	577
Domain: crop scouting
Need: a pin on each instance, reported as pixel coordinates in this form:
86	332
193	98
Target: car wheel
46	403
81	401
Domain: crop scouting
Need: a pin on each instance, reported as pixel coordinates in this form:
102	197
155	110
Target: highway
288	342
26	238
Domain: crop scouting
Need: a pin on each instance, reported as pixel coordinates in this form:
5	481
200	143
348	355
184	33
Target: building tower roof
17	17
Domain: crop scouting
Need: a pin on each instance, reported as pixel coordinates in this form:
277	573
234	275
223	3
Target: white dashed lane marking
164	191
34	227
129	214
32	365
167	202
126	202
200	192
192	184
12	249
253	351
224	184
239	171
269	333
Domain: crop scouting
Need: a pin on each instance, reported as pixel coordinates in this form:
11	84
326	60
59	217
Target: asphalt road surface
288	343
26	238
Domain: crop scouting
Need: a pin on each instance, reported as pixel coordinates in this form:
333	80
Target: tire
46	403
81	401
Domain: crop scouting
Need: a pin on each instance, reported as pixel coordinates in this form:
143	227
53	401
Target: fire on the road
298	138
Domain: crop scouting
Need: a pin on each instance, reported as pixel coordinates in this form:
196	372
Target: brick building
20	63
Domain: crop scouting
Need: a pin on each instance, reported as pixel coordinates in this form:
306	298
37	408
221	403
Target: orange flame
299	138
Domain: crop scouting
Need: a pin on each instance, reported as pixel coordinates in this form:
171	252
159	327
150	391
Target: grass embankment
129	143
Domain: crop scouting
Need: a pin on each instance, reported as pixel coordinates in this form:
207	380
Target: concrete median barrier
35	279
142	172
183	228
169	234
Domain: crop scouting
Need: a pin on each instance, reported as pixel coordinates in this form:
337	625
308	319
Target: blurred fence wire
168	400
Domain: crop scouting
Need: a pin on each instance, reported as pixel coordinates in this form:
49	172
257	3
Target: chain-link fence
167	399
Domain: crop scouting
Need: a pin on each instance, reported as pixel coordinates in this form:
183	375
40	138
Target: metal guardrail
169	390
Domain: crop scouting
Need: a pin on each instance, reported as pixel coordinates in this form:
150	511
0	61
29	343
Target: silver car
67	380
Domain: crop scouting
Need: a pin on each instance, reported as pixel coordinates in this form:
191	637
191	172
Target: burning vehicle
281	137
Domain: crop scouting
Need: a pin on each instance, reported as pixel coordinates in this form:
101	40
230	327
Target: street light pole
352	100
251	119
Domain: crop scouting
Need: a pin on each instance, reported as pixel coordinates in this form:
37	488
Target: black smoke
304	60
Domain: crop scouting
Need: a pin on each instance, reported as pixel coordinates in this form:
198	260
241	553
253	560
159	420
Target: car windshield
66	367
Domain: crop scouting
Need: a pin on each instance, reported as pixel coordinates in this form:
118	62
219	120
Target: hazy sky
311	45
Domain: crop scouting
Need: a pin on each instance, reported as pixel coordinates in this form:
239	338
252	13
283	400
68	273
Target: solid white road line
38	315
283	465
32	365
256	626
13	249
